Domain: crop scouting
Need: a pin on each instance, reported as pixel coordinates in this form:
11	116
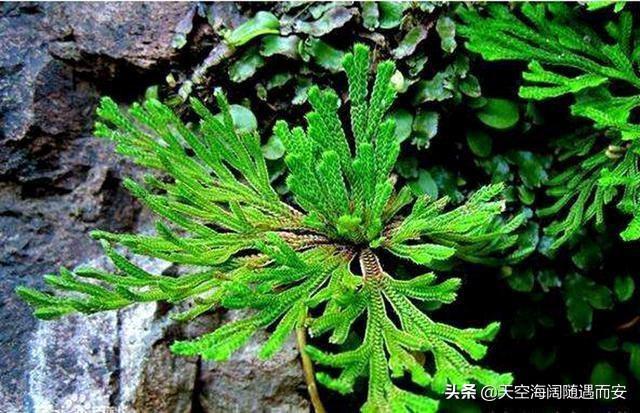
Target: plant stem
629	324
307	367
370	266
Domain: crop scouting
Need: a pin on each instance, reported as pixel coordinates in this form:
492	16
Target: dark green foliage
283	48
576	138
555	42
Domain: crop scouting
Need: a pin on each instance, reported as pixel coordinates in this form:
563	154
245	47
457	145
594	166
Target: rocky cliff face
57	182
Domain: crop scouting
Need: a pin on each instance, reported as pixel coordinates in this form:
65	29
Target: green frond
473	231
289	266
555	42
356	65
388	350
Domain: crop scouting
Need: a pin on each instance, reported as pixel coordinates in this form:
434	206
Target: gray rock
56	181
141	34
122	360
113	359
258	385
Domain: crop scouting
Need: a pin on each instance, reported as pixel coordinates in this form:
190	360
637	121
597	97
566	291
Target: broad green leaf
410	42
579	313
398	82
588	256
521	280
477	103
548	279
301	89
278	45
246	66
278	80
262	23
448	183
436	89
407	167
404	122
634	358
425	127
624	287
604	373
324	55
243	118
319	8
424	185
499	113
470	86
446	28
582	295
609	343
459	68
370	15
479	142
152	92
391	13
416	64
332	19
273	149
531	167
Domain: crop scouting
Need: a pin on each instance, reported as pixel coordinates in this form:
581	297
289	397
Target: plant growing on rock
312	262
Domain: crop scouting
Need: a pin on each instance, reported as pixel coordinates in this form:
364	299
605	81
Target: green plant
289	260
568	57
283	49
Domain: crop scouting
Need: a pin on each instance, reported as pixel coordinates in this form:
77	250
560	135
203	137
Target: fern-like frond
472	231
566	56
389	349
247	249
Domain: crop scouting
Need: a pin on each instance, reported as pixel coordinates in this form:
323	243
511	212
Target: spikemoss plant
568	57
289	261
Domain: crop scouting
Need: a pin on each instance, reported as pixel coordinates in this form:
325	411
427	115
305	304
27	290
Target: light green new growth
291	264
568	57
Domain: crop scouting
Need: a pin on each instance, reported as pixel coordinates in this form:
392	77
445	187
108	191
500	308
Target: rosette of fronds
568	57
289	261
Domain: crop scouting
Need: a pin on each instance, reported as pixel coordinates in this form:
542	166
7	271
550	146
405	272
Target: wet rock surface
57	182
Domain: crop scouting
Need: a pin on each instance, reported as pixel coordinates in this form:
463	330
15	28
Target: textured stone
258	385
56	181
138	33
113	359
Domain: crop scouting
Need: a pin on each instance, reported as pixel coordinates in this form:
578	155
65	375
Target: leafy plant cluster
569	57
349	228
583	169
289	260
310	41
